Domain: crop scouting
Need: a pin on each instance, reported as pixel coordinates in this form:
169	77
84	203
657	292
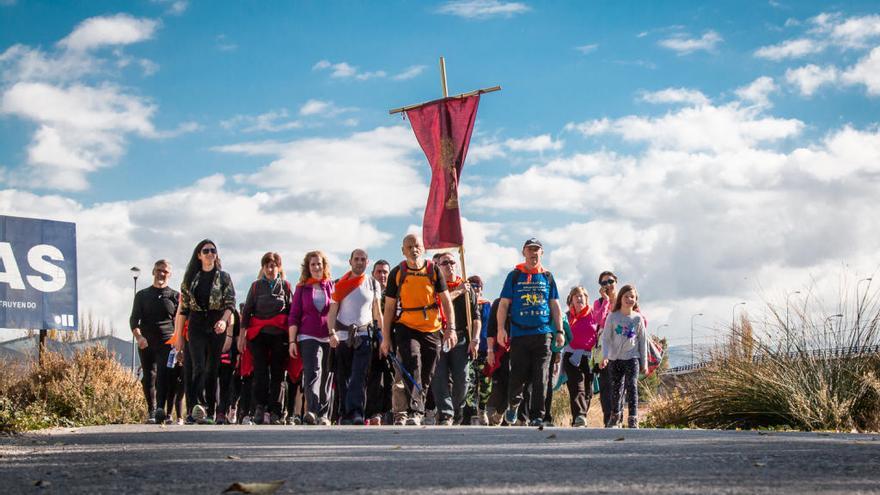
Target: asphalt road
208	459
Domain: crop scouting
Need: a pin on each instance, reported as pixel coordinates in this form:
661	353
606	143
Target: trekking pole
397	364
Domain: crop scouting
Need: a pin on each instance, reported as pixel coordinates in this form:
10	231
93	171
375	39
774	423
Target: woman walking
206	304
576	356
601	307
265	316
308	335
625	352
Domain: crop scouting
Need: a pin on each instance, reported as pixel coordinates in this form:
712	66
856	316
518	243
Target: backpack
432	277
655	354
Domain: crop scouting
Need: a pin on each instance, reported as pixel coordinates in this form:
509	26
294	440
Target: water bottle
172	358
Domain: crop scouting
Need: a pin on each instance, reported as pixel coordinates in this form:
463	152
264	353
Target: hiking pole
399	366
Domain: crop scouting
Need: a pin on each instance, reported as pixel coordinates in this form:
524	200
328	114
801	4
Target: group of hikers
408	344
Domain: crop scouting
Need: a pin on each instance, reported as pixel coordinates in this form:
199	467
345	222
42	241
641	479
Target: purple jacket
305	315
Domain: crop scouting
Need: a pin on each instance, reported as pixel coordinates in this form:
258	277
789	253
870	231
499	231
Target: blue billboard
37	274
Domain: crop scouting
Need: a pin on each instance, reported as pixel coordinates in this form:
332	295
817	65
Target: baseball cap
533	242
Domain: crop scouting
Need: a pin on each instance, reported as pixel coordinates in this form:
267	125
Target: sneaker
510	417
247	421
221	419
430	418
189	420
579	422
259	415
495	418
289	421
160	415
375	420
310	418
297	420
323	421
445	420
199	413
207	421
274	419
400	420
357	420
484	419
536	422
169	421
415	420
632	422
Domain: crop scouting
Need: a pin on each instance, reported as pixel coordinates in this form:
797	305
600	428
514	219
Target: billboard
37	274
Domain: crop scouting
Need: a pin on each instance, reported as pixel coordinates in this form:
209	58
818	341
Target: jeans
451	366
580	384
204	347
351	377
316	376
418	354
625	379
529	365
270	352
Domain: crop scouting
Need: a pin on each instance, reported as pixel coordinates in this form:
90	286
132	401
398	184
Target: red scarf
347	284
454	284
311	281
257	324
572	317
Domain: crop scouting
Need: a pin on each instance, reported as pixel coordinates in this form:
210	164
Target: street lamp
135	273
838	315
859	301
692	336
733	314
787	331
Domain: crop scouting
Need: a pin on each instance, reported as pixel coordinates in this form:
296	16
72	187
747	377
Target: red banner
444	128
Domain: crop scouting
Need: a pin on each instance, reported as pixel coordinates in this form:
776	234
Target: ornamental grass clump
90	388
809	370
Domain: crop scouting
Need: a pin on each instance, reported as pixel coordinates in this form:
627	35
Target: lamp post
692	336
787	330
135	273
733	314
825	324
859	302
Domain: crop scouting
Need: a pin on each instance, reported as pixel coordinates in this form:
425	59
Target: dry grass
777	380
91	388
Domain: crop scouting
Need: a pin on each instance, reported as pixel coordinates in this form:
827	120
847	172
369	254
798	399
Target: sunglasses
209	250
608	282
448	263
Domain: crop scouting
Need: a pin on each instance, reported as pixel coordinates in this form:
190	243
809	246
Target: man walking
380	374
354	308
420	290
531	296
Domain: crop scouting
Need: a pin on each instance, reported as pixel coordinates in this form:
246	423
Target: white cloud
410	72
483	9
676	95
811	77
683	45
344	70
120	29
323	108
174	7
758	91
272	121
224	44
790	49
585	49
706	127
484	150
537	144
866	71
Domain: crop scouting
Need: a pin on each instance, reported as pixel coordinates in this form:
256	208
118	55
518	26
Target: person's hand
220	326
227	343
450	338
179	358
240	344
501	338
555	369
384	348
474	349
141	342
603	364
178	345
334	340
490	356
560	339
644	371
604	292
293	350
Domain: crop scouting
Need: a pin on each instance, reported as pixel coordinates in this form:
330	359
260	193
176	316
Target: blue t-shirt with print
529	302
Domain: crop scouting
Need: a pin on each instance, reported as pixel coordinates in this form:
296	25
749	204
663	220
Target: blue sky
682	144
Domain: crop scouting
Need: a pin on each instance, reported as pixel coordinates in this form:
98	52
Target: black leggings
155	379
203	347
270	357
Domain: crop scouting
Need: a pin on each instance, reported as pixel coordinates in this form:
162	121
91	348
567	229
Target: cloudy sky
709	153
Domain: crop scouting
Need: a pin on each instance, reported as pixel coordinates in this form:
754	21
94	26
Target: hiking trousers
605	394
529	365
352	362
451	366
316	376
625	382
204	346
156	376
580	384
270	354
419	352
380	378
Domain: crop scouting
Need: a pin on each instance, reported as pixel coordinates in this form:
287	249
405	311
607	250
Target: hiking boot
159	416
430	418
310	418
415	420
495	418
247	421
274	419
297	420
510	417
536	422
199	414
579	422
400	419
259	415
443	420
190	420
357	420
375	420
632	422
484	419
324	421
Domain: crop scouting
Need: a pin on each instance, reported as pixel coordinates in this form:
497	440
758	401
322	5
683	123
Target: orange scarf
454	284
529	271
572	317
347	284
311	281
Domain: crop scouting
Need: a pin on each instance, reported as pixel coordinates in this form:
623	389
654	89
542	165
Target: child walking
625	351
